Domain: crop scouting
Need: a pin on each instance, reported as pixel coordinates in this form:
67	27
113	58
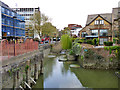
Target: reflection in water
96	78
39	82
60	75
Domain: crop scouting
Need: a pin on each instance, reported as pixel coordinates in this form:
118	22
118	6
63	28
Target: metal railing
9	49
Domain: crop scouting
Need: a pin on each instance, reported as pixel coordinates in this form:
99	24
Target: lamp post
99	31
14	33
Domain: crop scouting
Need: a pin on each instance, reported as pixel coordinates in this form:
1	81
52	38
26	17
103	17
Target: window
94	32
3	10
96	22
115	33
102	40
3	20
103	32
12	13
8	12
8	21
84	34
99	22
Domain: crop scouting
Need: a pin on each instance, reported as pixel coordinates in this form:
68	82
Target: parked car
54	39
58	38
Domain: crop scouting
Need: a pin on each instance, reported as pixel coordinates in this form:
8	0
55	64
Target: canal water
60	75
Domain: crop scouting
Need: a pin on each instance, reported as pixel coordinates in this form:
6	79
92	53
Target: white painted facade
36	35
27	13
75	31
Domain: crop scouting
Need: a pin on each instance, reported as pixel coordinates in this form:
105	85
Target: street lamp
14	33
99	31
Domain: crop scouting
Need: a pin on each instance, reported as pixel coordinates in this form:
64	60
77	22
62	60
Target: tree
48	29
66	31
66	42
37	20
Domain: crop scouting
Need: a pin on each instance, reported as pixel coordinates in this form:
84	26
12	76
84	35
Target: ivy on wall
115	49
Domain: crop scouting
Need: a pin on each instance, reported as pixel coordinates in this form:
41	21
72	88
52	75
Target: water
60	75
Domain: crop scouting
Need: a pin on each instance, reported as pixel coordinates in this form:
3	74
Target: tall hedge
66	42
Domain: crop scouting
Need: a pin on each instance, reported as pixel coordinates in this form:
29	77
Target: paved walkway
5	57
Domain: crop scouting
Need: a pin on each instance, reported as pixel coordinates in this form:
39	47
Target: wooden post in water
41	67
14	79
18	78
35	72
27	69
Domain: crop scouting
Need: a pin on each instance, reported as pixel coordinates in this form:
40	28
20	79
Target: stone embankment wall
22	71
97	58
56	48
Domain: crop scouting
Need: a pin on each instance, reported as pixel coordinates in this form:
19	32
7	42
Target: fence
9	49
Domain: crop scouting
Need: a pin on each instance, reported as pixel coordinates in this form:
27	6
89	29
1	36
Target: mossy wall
20	69
97	58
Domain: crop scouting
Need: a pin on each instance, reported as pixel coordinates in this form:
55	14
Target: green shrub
108	43
81	40
82	57
97	41
76	40
66	42
115	40
76	49
73	39
116	49
89	41
71	52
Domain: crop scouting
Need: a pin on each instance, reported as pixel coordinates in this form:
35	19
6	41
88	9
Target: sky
64	12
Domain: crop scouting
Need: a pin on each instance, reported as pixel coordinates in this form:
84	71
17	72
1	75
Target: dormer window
97	22
101	21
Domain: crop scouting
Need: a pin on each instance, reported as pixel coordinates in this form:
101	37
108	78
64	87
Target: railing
9	49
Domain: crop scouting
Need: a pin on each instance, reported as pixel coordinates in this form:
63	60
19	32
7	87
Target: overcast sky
64	12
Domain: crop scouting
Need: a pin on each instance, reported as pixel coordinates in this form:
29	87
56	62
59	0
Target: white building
27	13
75	31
